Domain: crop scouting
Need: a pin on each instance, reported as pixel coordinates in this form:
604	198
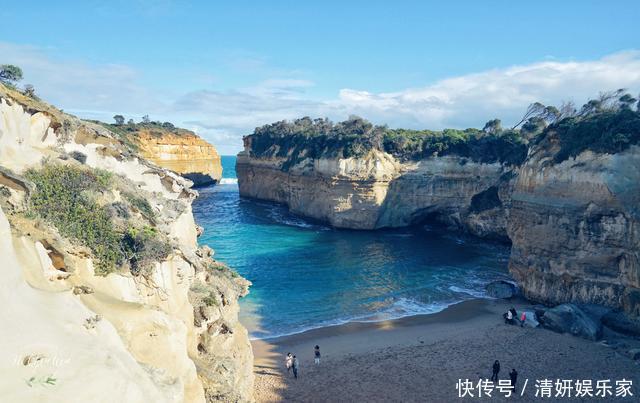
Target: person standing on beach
294	365
496	370
513	375
316	352
288	361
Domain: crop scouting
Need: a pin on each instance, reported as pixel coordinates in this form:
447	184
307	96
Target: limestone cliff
575	227
71	332
379	191
181	151
570	206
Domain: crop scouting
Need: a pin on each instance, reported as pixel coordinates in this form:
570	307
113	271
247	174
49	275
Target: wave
228	181
401	308
468	291
286	218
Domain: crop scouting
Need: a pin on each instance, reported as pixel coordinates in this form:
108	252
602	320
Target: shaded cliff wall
183	152
170	335
575	228
377	191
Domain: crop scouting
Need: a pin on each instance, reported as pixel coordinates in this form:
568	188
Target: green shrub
320	138
609	131
63	196
141	204
142	249
210	300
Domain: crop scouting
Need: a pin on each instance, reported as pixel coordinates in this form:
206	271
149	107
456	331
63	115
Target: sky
224	68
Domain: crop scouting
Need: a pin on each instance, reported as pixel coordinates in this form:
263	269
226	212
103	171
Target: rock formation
571	213
575	229
378	191
181	151
166	334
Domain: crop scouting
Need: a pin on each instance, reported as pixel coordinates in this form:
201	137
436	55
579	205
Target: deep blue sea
307	275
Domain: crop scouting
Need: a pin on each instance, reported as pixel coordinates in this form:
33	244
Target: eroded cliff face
575	228
573	224
68	334
378	191
183	152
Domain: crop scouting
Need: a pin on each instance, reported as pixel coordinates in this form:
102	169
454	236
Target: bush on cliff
320	138
63	197
504	147
70	198
610	131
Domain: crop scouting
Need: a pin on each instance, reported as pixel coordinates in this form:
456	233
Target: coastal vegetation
608	124
71	199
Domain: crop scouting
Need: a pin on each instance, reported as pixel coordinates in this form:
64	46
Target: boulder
501	289
569	318
622	323
634	353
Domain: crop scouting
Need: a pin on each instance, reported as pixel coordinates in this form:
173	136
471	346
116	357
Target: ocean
308	275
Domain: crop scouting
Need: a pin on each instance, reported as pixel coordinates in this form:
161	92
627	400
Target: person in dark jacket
295	366
496	370
513	375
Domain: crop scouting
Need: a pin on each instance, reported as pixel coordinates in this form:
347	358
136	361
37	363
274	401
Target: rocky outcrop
571	214
569	318
378	191
169	334
575	230
501	289
181	151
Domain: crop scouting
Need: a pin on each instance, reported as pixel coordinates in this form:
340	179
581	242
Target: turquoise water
306	275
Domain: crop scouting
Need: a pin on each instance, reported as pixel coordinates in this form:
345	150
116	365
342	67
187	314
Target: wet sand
421	358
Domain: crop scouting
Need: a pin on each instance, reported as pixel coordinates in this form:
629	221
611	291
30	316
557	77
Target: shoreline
421	357
360	320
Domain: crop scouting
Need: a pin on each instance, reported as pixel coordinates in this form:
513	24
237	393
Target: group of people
511	317
513	375
292	363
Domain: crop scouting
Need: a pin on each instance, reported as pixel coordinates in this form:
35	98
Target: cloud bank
223	117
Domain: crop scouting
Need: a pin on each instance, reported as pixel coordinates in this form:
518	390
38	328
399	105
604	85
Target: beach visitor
514	312
294	365
508	318
288	361
523	318
496	370
317	355
513	375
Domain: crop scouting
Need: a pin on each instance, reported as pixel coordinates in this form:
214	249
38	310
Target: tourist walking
288	361
294	365
316	352
496	370
513	375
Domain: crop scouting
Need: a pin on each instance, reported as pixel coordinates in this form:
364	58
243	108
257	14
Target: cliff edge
566	195
105	292
170	147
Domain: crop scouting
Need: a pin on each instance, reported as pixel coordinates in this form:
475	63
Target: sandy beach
421	358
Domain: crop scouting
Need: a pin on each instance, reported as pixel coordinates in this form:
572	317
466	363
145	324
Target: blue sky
224	68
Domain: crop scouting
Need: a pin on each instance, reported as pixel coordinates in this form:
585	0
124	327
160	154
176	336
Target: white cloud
472	99
223	117
89	90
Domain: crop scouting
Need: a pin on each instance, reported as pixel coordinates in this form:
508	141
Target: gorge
566	196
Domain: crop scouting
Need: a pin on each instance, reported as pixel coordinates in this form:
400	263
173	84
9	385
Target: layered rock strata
183	152
378	191
573	224
69	334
